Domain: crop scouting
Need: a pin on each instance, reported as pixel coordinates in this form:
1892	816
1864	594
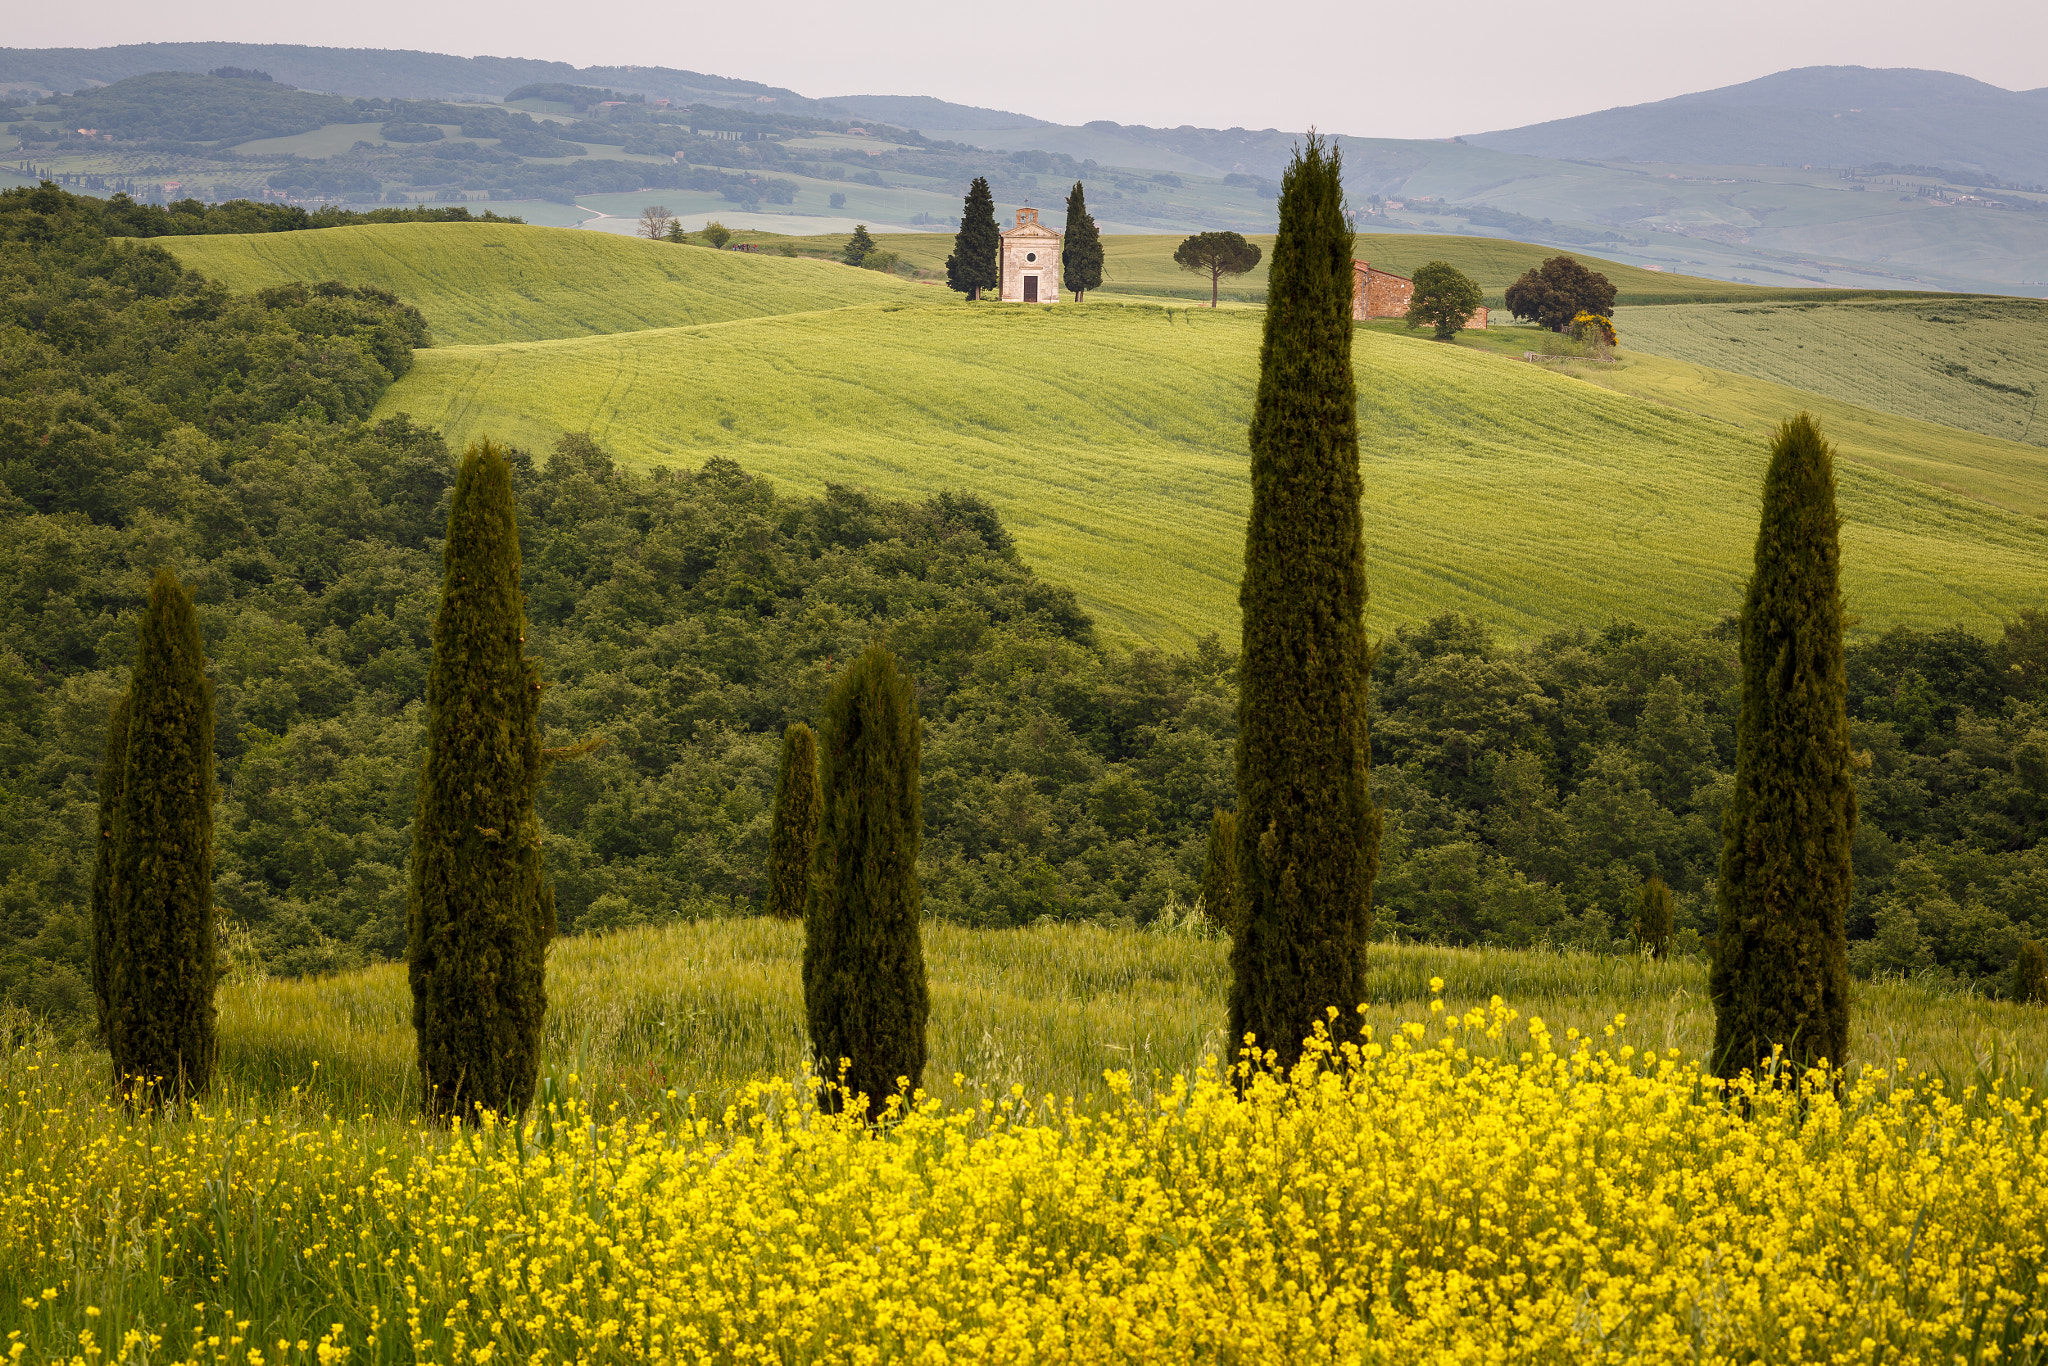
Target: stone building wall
1031	251
1383	294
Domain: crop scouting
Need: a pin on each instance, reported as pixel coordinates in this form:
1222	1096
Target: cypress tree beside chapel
155	958
1080	247
1780	975
481	911
865	997
972	266
1308	832
1219	873
793	838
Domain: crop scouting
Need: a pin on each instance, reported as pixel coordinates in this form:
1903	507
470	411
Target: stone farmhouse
1029	262
1383	294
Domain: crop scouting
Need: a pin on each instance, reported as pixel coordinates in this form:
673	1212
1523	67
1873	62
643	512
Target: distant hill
928	115
1823	115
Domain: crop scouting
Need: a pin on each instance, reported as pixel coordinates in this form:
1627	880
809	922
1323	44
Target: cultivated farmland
1112	440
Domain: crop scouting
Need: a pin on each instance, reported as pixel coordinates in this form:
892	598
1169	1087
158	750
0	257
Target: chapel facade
1383	294
1029	262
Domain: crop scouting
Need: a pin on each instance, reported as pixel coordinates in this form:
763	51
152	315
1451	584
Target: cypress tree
2030	974
1656	917
481	910
113	769
794	837
1080	247
1219	873
972	267
865	997
1308	831
1781	974
157	966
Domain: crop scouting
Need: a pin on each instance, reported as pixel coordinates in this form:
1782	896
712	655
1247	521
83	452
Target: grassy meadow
1111	439
1542	1179
489	282
1976	363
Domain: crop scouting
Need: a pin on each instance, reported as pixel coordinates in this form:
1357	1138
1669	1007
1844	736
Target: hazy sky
1416	70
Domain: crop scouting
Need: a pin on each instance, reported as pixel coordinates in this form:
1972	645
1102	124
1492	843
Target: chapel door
1031	289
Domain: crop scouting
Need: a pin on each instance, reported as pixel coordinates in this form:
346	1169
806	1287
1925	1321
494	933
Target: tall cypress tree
158	961
1080	247
793	839
1308	831
1656	916
865	996
113	773
1781	974
1219	873
973	267
481	911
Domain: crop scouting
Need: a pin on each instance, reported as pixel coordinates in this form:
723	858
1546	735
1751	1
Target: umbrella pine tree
481	911
155	964
865	996
1308	831
794	836
1780	977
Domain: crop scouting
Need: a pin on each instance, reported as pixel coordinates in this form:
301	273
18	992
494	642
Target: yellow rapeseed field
1461	1187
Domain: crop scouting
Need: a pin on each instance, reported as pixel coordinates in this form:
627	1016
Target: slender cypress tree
1781	975
865	996
793	839
158	964
972	267
481	911
1656	917
1219	873
1308	831
1080	247
113	772
2030	974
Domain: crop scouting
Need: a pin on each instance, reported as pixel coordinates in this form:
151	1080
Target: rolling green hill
1976	363
490	282
1112	439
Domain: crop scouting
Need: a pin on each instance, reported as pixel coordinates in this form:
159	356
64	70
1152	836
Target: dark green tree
1656	918
865	996
859	247
972	267
1308	831
2030	974
1219	873
160	957
1559	290
1444	298
113	772
481	910
1781	974
793	839
1080	247
1217	254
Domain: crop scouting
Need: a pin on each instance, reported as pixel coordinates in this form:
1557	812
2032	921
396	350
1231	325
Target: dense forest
148	416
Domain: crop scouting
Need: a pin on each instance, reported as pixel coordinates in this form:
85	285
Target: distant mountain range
1818	115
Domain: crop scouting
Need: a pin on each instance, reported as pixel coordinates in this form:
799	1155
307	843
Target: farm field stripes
492	282
1112	440
1976	363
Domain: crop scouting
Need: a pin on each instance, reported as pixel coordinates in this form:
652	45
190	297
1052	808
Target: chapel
1029	262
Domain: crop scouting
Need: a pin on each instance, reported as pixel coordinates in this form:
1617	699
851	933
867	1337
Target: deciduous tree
1308	830
973	266
481	911
865	996
1780	977
1557	291
654	222
1217	254
1444	298
1080	247
159	954
717	234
